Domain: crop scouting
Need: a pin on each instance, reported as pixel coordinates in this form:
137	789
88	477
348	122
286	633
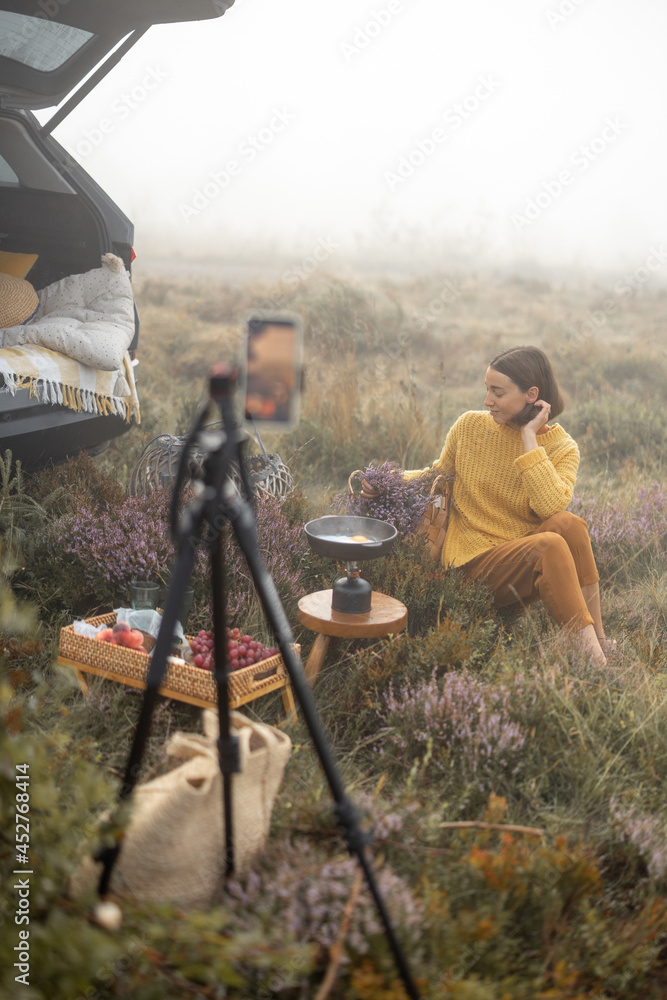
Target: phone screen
273	370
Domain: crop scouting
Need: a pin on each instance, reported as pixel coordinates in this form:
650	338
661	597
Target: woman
513	476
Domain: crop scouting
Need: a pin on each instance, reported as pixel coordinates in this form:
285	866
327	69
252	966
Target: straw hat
18	301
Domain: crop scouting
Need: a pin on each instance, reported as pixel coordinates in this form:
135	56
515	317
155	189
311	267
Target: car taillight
133	255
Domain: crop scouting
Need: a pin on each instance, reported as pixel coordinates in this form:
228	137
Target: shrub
525	919
305	890
79	481
611	432
460	723
352	694
339	315
98	551
426	588
626	535
640	375
160	950
646	833
118	543
64	791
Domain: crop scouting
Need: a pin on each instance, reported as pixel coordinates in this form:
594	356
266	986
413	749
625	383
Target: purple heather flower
118	544
620	529
400	502
457	714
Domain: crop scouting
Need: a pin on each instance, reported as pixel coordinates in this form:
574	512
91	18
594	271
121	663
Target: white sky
557	73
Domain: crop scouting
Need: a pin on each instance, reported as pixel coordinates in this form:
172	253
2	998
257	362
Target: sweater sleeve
548	482
443	465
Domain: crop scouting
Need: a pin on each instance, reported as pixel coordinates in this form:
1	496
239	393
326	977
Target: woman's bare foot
591	645
607	645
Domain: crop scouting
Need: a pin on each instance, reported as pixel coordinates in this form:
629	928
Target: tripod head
223	379
210	479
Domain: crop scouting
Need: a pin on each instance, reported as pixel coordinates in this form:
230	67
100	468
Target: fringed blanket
55	378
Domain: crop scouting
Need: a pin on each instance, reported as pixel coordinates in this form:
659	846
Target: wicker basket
182	678
159	462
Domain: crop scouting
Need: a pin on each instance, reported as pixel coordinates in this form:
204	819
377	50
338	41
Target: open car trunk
50	209
50	206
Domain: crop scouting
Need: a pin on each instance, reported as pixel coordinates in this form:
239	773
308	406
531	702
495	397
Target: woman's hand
540	419
530	430
368	491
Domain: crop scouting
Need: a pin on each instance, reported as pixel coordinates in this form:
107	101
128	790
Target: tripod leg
156	670
243	525
228	742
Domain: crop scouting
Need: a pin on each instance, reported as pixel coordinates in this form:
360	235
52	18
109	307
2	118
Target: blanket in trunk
54	378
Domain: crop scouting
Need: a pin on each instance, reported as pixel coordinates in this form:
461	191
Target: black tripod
217	504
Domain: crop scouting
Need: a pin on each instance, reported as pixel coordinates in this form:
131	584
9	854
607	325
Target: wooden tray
181	681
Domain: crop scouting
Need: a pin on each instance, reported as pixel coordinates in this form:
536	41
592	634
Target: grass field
517	793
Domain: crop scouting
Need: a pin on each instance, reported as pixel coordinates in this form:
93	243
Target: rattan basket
159	462
182	678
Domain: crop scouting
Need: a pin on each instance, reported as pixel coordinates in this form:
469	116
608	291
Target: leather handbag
433	527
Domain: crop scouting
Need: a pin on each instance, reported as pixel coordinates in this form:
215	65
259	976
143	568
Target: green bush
411	576
518	917
351	693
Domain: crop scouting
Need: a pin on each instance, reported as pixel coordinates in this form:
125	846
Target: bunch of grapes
243	650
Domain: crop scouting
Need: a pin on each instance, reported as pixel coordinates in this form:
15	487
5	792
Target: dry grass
390	365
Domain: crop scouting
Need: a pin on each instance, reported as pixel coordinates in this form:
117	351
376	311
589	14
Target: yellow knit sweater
501	491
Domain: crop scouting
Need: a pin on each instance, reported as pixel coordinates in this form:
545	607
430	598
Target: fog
407	134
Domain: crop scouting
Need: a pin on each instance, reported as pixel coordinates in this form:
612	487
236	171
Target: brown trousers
551	563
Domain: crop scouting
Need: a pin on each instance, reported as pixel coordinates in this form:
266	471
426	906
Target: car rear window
38	43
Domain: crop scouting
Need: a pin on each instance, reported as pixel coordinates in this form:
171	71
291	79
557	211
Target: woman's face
504	398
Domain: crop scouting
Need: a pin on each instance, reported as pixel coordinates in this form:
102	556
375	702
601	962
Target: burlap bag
173	849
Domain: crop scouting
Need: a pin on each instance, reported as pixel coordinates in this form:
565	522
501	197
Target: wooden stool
387	616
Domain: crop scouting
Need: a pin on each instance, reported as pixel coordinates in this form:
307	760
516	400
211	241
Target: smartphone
272	371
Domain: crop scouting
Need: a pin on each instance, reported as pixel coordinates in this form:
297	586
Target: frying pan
328	536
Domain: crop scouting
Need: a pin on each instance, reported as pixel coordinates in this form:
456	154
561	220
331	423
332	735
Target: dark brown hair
528	366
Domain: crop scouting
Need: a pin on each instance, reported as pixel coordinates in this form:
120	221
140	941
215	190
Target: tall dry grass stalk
332	396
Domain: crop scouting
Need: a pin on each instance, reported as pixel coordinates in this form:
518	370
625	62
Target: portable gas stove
350	540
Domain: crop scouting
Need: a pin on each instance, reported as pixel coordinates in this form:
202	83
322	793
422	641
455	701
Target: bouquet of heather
398	501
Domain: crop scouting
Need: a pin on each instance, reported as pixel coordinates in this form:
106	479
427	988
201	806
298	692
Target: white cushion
88	317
